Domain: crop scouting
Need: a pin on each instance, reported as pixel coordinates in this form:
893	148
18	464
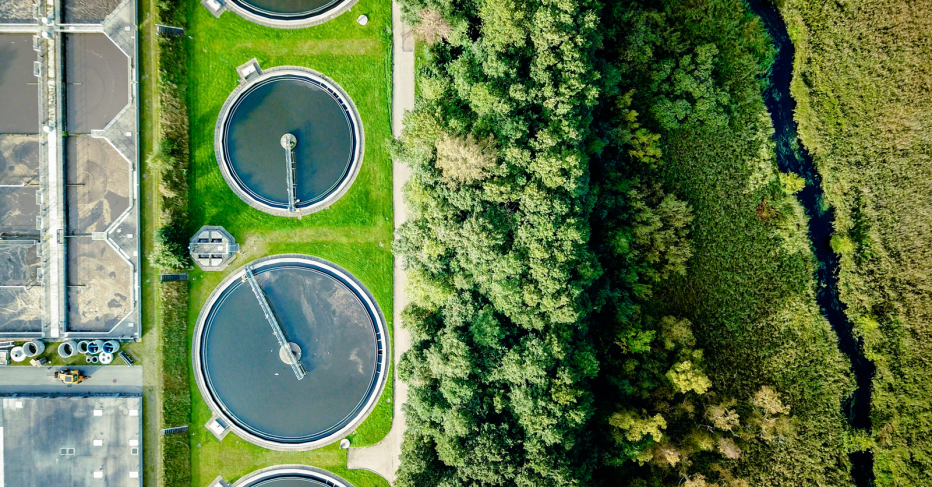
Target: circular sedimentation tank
335	335
289	14
289	142
291	476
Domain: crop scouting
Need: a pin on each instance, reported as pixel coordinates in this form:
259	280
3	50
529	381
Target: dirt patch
88	11
20	309
98	184
19	265
17	12
18	211
100	285
19	159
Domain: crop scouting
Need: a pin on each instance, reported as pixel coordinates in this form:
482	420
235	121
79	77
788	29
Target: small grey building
213	248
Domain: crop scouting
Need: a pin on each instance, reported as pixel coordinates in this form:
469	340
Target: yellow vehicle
71	376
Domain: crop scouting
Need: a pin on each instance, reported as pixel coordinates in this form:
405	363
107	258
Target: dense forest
864	88
609	277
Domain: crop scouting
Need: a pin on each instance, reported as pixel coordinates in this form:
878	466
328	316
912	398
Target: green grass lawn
355	233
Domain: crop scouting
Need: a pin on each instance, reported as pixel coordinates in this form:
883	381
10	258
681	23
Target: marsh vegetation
626	289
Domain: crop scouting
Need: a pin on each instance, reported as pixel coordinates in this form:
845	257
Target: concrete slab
112	379
19	159
126	239
19	88
97	82
74	441
98	184
17	12
99	286
87	11
120	133
120	27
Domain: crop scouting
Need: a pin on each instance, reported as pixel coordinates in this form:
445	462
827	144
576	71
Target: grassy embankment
166	212
864	93
355	233
147	352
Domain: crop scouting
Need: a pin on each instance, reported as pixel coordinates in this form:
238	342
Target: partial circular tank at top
288	9
335	336
311	112
289	14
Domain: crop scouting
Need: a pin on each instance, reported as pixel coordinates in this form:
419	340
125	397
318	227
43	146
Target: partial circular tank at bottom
291	476
17	354
67	349
34	348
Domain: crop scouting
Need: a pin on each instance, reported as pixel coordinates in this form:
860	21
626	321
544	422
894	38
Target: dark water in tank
289	482
313	115
288	8
240	355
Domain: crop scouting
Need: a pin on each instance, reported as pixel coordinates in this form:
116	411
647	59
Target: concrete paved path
112	379
383	458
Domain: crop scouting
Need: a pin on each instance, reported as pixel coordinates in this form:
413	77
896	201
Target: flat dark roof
66	440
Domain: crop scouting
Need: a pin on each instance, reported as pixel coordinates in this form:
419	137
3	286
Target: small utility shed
212	248
79	441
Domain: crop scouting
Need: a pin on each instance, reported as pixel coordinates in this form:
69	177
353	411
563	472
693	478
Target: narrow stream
793	157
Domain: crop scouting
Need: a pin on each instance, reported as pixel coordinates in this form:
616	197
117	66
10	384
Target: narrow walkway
383	458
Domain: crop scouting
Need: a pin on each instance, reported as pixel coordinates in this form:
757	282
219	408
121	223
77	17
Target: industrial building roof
77	441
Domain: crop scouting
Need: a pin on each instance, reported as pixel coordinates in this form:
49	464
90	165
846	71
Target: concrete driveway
111	379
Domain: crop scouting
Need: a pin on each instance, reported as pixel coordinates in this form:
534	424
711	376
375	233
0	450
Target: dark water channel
792	156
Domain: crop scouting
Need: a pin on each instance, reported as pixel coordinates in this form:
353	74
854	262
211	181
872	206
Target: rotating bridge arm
296	365
289	142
